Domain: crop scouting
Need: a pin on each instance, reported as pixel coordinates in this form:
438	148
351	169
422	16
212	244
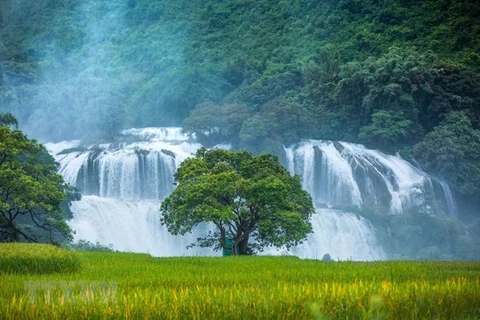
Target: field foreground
138	286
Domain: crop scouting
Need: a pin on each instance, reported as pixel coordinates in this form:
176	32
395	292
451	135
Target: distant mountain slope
150	62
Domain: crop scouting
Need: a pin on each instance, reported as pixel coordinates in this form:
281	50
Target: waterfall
343	235
129	226
340	174
142	169
124	183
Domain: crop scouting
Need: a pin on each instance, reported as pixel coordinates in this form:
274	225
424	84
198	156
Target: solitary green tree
31	191
253	201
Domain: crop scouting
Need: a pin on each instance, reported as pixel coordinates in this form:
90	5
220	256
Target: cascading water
124	183
128	226
343	235
141	169
342	175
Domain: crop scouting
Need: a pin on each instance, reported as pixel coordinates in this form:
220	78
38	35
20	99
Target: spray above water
129	226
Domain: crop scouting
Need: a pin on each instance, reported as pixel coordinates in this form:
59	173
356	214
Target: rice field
30	258
137	286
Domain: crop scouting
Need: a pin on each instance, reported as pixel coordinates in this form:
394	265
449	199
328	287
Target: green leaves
243	196
387	131
7	119
452	149
213	123
31	191
276	71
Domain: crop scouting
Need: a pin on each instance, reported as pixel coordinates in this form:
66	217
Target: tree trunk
243	247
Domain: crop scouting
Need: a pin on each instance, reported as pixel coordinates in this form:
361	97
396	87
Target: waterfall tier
340	174
142	169
130	226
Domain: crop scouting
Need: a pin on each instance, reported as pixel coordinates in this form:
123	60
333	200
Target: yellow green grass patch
29	258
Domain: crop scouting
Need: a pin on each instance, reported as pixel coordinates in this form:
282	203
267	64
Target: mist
93	68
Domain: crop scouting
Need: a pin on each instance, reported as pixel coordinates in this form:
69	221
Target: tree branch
24	235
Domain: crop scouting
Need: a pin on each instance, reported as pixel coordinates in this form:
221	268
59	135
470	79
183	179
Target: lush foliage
31	192
452	149
248	199
212	123
7	119
141	287
21	258
145	63
84	245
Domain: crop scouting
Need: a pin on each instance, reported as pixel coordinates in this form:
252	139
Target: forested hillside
398	75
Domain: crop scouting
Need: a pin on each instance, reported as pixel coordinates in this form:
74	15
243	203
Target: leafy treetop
253	201
31	191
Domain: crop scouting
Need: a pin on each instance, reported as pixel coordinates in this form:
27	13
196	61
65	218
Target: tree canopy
212	123
31	192
8	119
251	200
452	149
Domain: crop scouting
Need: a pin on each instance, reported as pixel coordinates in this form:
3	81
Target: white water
158	134
129	226
342	235
134	171
344	174
123	185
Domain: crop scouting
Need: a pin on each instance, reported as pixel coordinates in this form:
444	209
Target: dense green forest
397	75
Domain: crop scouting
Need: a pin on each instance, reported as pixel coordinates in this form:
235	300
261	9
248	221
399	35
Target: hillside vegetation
398	75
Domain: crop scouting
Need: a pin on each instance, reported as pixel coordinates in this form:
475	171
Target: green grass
137	286
22	258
